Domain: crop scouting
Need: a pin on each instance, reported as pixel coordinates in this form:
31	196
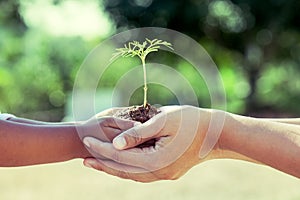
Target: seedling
134	48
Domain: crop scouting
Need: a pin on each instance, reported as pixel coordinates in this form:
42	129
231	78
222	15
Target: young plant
134	48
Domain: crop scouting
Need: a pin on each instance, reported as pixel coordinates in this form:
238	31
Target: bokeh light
67	18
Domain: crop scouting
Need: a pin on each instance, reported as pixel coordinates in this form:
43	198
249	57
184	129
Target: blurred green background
255	44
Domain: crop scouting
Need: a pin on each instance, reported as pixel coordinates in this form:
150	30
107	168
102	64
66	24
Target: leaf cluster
135	48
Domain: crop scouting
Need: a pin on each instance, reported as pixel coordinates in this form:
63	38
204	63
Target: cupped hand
109	112
179	132
103	126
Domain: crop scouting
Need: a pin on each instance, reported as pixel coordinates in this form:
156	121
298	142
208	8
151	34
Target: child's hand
104	128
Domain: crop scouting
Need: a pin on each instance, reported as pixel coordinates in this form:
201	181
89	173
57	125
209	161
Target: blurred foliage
36	70
251	42
255	44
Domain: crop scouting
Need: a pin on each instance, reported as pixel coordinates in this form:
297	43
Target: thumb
140	133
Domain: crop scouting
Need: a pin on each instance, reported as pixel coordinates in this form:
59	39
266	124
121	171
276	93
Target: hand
104	127
179	132
109	112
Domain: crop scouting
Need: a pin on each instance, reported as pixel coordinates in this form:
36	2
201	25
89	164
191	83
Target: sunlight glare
68	18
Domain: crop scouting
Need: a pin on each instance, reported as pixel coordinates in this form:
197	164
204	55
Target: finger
143	158
92	163
105	134
150	158
98	163
109	112
120	170
97	128
140	133
122	124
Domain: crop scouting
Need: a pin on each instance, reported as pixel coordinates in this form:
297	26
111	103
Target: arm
13	118
29	144
107	112
30	121
26	144
295	121
269	142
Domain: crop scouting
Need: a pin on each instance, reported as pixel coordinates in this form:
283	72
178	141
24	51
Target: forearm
27	144
271	143
35	122
295	121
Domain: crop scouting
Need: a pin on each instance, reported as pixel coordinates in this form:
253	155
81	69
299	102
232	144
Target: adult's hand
179	132
109	112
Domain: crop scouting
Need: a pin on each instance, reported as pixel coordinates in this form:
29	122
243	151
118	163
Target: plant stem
145	81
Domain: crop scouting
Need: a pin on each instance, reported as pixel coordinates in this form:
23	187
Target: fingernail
137	123
88	164
119	142
87	141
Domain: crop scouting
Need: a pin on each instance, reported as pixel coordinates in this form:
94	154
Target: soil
140	114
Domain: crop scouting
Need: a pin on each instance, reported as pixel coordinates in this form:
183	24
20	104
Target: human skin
272	142
27	142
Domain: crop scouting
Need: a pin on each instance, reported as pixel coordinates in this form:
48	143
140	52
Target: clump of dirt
140	114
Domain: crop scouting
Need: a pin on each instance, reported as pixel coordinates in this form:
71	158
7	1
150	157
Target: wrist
231	143
217	127
226	136
77	148
80	149
230	134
